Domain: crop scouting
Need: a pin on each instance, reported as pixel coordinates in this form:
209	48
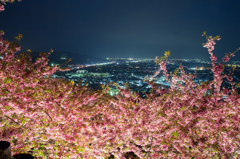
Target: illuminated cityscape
132	71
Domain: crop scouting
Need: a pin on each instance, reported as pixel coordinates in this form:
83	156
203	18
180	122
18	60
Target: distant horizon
208	59
231	60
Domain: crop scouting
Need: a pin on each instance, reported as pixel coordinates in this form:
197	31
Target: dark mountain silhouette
59	57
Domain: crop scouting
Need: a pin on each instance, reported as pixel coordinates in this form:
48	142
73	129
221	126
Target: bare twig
13	120
48	115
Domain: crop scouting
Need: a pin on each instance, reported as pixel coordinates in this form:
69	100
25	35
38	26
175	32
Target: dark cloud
124	28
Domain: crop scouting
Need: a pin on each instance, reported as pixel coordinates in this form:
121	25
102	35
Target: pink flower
1	7
164	147
229	78
226	59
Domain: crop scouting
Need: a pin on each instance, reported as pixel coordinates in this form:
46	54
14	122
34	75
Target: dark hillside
59	57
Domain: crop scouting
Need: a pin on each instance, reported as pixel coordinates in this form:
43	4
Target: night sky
125	28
